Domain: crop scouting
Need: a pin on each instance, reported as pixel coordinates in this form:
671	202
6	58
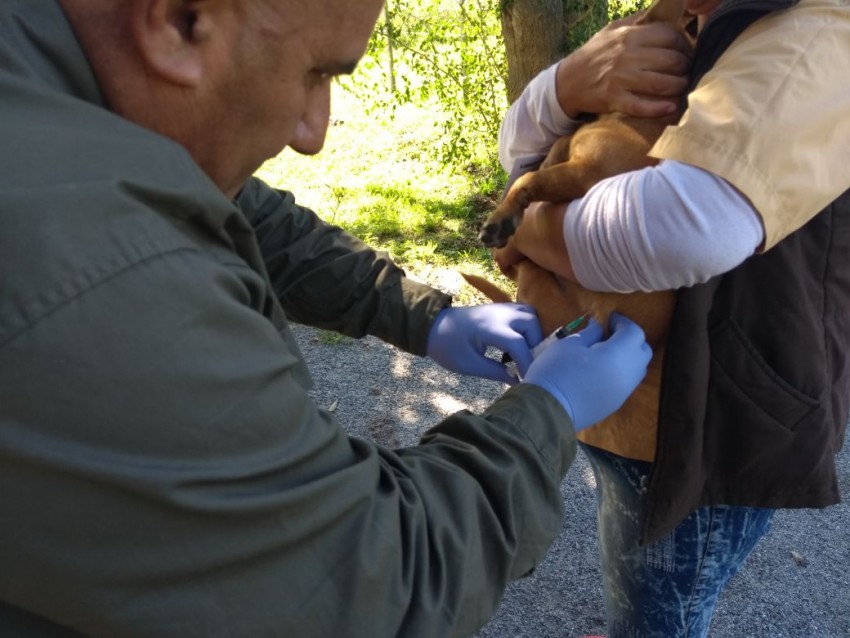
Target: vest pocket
740	368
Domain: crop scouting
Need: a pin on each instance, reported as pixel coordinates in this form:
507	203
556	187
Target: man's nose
309	137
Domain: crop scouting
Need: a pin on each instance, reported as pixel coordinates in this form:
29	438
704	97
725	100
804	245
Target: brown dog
613	143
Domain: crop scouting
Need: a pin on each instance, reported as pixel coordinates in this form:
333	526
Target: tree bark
535	37
388	29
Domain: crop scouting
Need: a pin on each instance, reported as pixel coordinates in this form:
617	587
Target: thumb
589	335
493	370
624	329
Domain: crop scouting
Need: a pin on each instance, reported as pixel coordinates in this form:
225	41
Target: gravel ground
796	583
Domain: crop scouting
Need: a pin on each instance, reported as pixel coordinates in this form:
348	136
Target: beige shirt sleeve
772	116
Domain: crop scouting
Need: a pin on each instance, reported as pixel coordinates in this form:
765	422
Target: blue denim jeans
668	589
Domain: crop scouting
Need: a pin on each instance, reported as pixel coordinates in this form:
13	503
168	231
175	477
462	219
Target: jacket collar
727	22
38	45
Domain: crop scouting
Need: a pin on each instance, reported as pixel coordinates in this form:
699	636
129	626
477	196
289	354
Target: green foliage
328	338
584	18
377	179
447	55
410	161
621	8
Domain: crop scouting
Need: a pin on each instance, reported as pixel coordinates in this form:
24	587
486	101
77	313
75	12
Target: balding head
234	81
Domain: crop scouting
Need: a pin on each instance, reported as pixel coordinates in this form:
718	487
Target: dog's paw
495	234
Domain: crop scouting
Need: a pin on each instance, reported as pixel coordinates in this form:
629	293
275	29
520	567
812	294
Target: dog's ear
670	11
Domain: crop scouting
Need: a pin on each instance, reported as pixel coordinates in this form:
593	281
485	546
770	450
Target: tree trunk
535	37
388	27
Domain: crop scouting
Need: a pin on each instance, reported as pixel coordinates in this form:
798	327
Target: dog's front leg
504	220
557	183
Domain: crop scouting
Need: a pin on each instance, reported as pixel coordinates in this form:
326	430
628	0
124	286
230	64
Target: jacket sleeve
327	278
164	475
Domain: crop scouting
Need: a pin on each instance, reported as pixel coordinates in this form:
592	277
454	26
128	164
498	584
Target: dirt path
796	584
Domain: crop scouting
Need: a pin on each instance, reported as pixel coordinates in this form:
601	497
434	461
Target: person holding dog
747	216
164	470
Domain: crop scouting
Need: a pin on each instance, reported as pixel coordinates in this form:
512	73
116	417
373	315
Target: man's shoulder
53	139
88	195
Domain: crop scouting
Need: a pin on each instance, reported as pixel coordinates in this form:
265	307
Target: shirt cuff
560	120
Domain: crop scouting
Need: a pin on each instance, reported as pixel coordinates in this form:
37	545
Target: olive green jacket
163	470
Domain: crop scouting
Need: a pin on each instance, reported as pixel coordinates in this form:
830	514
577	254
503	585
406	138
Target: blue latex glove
590	377
459	338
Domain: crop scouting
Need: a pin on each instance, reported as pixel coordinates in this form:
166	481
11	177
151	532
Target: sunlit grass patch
376	179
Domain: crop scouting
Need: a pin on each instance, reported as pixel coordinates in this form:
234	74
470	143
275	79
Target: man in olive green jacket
163	470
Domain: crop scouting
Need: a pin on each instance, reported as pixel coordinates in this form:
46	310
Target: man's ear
170	35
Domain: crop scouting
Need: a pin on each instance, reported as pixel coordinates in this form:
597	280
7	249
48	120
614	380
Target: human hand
540	238
639	70
508	256
590	377
459	338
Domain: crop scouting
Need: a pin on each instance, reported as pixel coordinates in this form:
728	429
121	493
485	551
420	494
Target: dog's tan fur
630	431
612	144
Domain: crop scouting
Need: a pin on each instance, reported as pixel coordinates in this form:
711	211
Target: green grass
379	178
330	338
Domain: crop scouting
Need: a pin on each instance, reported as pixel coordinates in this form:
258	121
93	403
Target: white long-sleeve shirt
658	228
